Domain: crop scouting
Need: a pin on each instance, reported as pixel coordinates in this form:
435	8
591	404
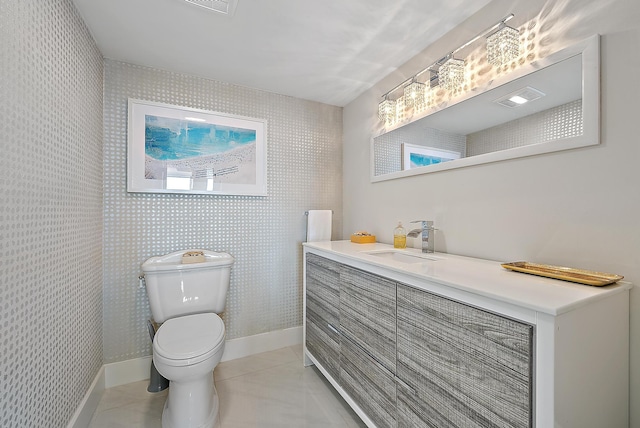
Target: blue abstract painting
415	156
175	139
418	160
174	149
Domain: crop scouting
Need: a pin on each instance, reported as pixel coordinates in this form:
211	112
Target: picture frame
415	156
174	149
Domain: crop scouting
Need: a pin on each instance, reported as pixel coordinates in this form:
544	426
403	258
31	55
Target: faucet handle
426	224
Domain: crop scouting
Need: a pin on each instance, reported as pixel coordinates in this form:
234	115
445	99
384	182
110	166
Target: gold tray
363	239
597	279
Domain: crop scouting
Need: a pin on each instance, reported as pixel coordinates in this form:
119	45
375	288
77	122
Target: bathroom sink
401	256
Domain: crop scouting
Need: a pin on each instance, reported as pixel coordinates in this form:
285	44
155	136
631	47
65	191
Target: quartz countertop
485	278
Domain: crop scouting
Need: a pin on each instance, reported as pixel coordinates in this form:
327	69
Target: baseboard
127	371
138	369
264	342
82	417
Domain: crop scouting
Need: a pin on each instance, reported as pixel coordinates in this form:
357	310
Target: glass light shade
387	110
414	94
503	46
400	110
451	74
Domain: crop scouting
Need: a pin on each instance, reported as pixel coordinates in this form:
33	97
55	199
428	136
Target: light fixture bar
484	33
442	60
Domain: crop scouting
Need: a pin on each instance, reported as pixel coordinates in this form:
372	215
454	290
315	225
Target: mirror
489	125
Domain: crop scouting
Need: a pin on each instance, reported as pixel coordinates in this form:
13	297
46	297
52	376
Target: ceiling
328	51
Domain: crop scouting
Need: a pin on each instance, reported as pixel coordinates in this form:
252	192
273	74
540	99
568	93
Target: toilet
186	290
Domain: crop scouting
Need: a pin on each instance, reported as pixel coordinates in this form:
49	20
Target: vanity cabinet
460	366
408	358
460	342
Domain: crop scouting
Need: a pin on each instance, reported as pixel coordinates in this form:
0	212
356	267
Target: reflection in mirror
549	109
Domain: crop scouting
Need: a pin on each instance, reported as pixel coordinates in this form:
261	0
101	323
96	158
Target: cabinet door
322	314
368	347
462	366
368	314
368	383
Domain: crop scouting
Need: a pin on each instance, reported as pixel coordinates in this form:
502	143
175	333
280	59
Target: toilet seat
189	340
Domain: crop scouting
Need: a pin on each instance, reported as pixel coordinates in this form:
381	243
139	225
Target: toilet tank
175	288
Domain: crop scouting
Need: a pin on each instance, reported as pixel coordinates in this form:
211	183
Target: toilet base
191	404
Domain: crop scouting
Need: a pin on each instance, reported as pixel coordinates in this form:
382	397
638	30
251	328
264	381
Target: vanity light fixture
226	7
451	73
399	111
414	93
448	73
387	110
503	46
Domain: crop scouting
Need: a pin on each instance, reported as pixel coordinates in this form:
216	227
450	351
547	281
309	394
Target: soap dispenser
399	237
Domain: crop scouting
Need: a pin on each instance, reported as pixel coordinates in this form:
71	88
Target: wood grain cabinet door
368	314
369	384
460	366
368	347
323	312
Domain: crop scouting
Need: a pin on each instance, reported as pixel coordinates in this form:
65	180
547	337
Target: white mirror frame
590	50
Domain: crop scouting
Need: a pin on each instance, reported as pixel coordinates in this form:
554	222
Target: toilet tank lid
173	261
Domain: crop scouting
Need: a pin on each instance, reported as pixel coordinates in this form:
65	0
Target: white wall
577	208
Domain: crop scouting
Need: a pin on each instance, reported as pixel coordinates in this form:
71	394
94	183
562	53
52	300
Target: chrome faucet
428	242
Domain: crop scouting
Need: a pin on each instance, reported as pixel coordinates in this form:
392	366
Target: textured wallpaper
555	123
50	212
264	234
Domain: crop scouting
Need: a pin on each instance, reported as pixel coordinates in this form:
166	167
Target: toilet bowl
185	351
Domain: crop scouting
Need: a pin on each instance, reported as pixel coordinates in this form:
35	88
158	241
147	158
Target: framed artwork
414	156
174	149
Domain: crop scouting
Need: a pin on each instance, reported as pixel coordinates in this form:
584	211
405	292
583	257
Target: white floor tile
272	389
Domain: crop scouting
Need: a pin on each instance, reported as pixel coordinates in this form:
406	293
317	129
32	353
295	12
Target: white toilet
187	289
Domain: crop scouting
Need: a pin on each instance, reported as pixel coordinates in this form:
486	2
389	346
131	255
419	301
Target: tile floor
272	389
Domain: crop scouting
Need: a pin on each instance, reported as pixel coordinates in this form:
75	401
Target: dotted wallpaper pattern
50	212
555	123
264	234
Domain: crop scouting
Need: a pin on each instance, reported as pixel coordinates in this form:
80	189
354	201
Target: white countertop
481	277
